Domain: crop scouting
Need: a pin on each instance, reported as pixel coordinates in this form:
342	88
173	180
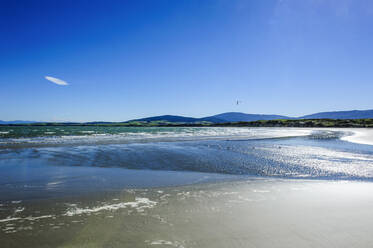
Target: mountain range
16	122
237	117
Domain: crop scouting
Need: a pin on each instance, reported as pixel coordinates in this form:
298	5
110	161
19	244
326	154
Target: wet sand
256	212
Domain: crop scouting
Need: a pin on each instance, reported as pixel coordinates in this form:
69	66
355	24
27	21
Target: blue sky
130	59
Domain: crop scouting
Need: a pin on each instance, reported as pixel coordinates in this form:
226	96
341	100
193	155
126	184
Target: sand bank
360	135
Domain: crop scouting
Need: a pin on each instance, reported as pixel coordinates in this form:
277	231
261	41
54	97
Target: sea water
184	187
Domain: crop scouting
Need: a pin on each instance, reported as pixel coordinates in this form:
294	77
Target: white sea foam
54	183
149	134
18	210
30	218
165	242
140	204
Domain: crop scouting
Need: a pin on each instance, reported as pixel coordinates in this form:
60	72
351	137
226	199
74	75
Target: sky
121	60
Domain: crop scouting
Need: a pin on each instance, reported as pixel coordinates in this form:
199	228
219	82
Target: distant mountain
16	122
176	118
220	118
353	114
212	119
170	118
232	117
237	116
98	122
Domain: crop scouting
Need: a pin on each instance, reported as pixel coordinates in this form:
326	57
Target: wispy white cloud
56	81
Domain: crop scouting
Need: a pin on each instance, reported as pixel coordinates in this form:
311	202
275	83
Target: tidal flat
196	187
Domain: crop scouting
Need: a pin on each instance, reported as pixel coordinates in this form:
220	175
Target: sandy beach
360	135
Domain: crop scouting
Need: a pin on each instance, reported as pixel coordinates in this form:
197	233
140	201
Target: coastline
360	136
324	123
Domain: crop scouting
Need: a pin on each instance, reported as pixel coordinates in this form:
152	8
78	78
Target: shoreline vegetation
343	123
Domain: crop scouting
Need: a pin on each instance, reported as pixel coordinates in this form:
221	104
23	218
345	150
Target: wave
139	205
309	153
89	137
318	155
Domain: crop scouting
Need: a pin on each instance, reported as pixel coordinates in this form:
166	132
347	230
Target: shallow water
214	188
44	136
251	213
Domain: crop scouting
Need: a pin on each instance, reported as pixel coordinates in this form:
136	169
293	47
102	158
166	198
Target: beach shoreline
361	136
258	212
271	190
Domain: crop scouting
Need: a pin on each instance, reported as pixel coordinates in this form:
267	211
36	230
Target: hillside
353	114
225	118
237	116
15	122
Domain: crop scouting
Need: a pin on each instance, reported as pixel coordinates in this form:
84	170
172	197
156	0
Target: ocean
85	186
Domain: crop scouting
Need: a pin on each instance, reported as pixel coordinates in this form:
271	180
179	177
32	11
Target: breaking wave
121	135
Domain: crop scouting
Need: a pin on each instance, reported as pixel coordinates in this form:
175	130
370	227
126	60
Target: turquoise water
59	131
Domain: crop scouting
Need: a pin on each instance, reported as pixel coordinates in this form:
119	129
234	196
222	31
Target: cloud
56	81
